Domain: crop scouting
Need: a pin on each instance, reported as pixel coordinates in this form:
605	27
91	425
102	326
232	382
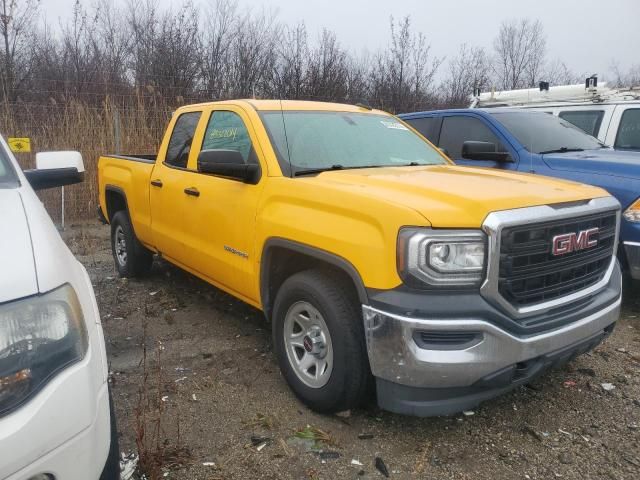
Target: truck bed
145	157
128	176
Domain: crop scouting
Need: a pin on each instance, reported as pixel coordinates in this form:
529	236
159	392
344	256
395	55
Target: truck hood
606	161
16	252
455	196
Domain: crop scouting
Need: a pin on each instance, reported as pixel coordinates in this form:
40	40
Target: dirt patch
225	399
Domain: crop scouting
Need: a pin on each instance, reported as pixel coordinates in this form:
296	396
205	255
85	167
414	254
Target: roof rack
589	92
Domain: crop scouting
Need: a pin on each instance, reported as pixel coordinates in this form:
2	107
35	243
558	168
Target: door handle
193	191
156	183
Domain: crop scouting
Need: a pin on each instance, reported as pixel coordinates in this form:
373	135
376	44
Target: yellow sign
20	145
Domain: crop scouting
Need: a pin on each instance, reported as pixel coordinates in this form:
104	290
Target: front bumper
447	378
63	431
632	254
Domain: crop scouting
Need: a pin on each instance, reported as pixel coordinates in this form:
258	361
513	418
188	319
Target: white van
55	417
610	115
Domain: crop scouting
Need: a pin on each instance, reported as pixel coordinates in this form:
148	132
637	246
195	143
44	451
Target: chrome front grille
529	271
525	278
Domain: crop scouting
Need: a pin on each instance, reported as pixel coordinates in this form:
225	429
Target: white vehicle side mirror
56	169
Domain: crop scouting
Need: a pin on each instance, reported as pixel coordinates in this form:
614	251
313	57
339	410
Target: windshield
8	177
544	133
336	140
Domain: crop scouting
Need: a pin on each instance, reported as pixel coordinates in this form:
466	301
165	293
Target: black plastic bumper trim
429	402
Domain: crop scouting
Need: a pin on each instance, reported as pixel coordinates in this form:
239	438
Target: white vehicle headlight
632	214
39	337
441	257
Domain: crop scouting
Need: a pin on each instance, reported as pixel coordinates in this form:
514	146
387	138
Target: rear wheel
132	259
319	341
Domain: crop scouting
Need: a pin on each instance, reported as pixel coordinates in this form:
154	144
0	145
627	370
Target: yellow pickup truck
378	262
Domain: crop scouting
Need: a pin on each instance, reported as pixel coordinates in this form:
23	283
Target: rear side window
628	137
181	138
428	126
227	131
457	130
587	120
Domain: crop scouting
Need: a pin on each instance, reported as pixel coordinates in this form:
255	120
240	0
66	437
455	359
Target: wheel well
281	262
115	201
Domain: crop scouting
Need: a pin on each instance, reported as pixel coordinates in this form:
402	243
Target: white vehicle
610	115
55	417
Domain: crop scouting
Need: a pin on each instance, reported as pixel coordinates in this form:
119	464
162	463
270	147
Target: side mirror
228	163
56	169
473	150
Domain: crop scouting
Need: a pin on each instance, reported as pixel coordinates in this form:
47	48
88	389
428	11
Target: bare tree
622	79
166	54
219	34
328	69
520	53
17	18
558	73
468	71
114	41
403	74
290	70
81	58
252	53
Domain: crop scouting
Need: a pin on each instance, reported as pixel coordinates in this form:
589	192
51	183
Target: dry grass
94	130
157	451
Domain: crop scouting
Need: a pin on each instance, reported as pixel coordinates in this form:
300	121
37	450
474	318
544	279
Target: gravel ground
227	412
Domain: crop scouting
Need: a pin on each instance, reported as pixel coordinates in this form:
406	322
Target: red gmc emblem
572	242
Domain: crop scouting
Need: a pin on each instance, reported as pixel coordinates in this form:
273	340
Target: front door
457	129
220	223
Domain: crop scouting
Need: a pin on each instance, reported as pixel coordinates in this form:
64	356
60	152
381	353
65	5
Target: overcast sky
587	35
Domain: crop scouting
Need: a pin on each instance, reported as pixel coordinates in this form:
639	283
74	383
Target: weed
261	420
313	433
155	450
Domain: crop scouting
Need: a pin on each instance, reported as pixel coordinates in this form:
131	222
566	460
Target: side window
227	131
629	130
587	120
181	138
457	130
427	126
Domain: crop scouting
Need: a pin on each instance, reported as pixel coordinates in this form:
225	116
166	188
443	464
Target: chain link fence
93	130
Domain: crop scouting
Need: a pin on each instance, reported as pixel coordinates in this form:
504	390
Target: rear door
169	179
591	120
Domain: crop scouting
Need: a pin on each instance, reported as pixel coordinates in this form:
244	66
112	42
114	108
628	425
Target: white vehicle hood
18	277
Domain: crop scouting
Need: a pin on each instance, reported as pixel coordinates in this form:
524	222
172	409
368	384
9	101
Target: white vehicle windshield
544	133
8	177
312	141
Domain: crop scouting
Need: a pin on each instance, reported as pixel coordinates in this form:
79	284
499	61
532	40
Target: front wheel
132	259
111	470
319	341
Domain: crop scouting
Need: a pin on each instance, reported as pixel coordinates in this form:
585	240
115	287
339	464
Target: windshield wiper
311	171
562	150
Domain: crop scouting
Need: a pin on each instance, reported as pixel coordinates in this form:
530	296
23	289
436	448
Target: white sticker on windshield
394	125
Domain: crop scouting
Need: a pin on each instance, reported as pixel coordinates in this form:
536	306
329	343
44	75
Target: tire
111	469
343	383
132	259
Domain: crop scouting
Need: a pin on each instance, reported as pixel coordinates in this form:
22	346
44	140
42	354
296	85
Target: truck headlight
441	257
632	214
39	337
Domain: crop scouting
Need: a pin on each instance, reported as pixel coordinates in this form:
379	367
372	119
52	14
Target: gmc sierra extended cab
377	261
